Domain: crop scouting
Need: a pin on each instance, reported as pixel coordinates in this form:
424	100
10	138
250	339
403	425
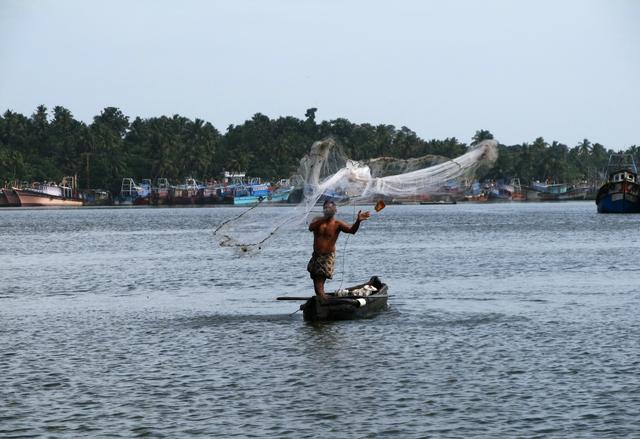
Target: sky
564	70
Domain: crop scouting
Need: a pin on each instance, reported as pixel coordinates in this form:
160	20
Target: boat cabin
623	175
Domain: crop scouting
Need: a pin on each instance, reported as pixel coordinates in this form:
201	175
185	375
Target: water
514	320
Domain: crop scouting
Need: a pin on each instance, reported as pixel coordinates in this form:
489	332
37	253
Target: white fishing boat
50	194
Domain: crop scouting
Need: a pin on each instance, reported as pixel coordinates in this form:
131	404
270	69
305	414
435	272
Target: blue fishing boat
281	192
621	192
250	193
253	192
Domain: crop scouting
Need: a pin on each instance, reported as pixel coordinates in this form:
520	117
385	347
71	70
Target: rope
236	217
344	250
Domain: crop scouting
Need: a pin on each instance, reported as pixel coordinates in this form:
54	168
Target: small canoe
358	302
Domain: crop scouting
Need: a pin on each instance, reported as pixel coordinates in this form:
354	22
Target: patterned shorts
321	265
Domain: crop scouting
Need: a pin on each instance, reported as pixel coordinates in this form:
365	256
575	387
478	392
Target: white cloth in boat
360	292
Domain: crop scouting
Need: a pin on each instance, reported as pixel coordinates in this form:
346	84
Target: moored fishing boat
160	192
210	193
186	193
129	192
565	193
65	194
251	193
518	194
281	192
500	192
621	192
538	191
144	193
475	192
97	197
357	302
255	191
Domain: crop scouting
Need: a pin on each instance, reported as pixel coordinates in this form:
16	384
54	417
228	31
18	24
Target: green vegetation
47	146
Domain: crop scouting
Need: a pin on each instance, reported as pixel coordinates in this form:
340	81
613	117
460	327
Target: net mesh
326	172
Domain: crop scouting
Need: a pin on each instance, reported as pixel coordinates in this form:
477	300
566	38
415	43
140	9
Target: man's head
329	209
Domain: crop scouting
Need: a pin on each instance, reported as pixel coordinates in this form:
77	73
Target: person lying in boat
325	234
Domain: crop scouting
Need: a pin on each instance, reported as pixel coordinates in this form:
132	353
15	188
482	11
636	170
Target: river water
505	320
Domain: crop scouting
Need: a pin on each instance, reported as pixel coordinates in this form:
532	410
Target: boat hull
182	196
32	199
348	307
252	199
571	195
12	198
142	201
159	197
248	200
619	198
499	195
3	199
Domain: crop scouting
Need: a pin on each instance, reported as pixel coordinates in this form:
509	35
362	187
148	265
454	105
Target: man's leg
318	286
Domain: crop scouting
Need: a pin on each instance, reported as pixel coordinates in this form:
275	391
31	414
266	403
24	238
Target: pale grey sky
564	70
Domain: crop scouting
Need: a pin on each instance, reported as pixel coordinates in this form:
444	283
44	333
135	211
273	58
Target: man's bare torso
326	230
325	235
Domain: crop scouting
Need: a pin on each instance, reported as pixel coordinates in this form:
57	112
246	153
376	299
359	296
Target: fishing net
326	172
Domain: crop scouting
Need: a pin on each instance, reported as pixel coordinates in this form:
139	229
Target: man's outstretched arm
362	216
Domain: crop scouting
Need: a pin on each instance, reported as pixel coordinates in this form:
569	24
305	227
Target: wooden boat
356	302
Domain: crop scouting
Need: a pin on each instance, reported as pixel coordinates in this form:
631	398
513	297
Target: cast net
326	172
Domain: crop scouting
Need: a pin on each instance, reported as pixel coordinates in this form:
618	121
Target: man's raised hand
363	215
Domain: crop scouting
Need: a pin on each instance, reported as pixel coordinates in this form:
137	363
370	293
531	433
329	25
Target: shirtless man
325	234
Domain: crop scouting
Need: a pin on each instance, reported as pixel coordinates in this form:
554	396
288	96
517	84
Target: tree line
48	145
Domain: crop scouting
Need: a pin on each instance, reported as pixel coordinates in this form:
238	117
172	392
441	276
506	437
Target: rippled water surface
513	320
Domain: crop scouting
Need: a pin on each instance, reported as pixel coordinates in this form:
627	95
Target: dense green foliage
48	146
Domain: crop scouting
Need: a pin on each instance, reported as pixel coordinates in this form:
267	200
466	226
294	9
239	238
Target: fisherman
325	234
